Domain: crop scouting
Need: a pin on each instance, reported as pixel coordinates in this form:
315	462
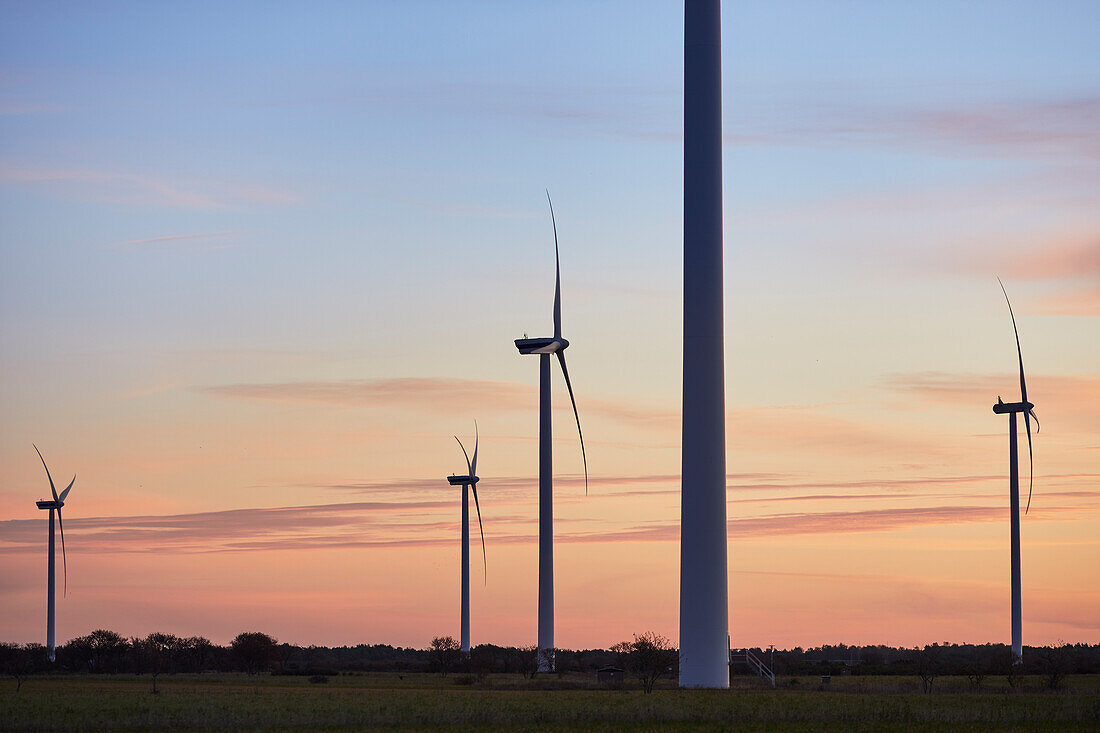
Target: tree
650	657
928	665
482	660
445	653
254	650
198	652
976	673
622	653
565	661
76	654
1054	661
108	649
21	661
156	653
526	660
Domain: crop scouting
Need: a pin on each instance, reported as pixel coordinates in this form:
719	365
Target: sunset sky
260	261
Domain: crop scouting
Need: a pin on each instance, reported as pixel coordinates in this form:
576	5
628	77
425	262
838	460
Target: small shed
610	676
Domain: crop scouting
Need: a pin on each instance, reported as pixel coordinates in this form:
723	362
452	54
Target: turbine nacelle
542	345
49	504
462	480
1003	408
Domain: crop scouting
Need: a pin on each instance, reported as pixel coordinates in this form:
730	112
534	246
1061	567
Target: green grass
416	702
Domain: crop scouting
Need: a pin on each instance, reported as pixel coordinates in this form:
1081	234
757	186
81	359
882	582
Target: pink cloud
419	524
1074	257
1056	128
846	522
1078	301
1064	397
1067	264
761	428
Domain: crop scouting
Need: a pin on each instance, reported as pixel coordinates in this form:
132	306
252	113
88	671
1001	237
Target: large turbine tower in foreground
53	506
1012	408
544	347
467	482
704	621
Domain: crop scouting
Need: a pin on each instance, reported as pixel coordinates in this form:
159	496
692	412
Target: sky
259	262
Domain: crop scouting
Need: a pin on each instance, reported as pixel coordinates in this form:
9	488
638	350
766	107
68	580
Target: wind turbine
544	347
467	482
55	505
1028	409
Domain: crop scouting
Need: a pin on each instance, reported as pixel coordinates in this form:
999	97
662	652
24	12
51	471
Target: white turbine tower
1011	408
704	620
467	482
544	347
55	505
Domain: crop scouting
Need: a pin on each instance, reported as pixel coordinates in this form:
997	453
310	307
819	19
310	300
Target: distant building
610	676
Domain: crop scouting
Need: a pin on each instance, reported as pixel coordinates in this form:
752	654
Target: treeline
107	652
974	660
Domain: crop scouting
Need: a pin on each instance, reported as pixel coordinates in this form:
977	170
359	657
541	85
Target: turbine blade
464	453
1036	419
1019	352
52	489
569	385
473	467
66	491
64	560
484	564
557	272
1030	462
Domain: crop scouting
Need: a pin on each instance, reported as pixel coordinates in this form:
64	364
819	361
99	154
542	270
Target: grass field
504	702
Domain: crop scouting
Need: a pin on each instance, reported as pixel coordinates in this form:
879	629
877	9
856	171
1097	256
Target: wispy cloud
1084	301
1073	263
450	208
223	530
421	523
798	425
843	522
1058	128
1068	258
1063	127
1067	261
121	187
1070	395
29	108
774	486
176	238
430	394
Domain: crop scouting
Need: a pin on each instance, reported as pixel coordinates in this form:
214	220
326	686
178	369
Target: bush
649	657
